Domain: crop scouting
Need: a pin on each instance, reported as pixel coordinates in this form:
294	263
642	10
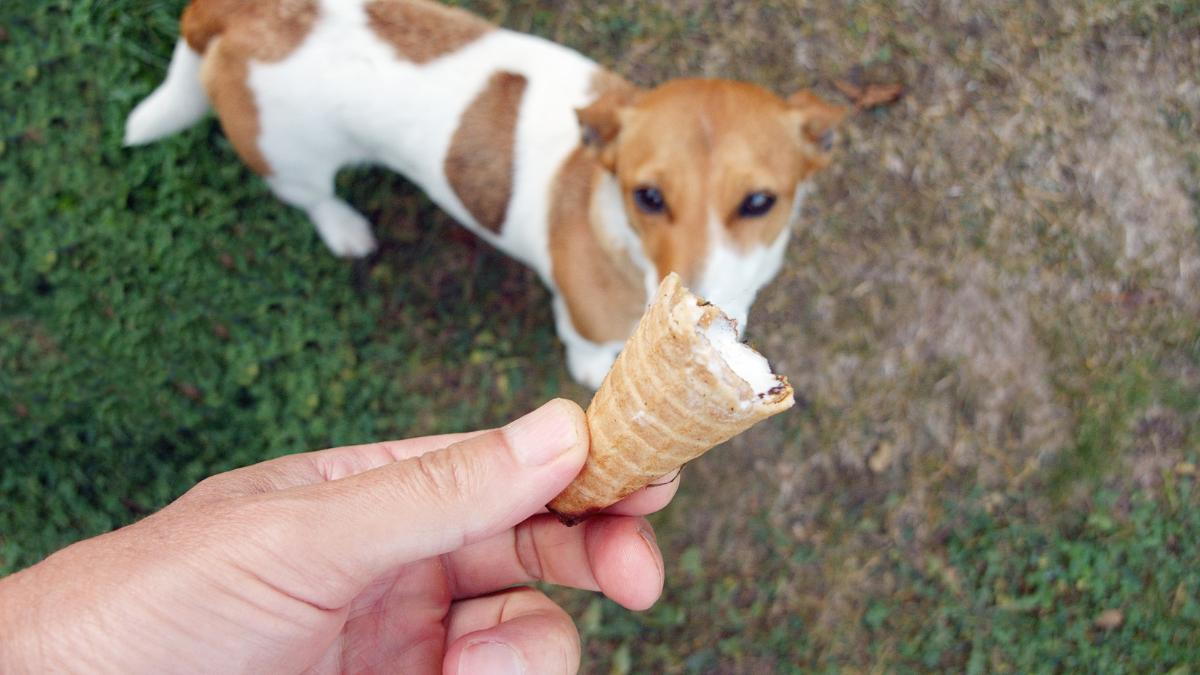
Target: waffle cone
669	398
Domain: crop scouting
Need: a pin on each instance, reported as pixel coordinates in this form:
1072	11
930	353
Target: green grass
162	318
1006	592
1014	596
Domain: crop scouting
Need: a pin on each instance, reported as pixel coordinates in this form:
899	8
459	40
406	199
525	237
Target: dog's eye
756	204
649	199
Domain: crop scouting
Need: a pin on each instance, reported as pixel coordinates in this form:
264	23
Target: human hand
387	557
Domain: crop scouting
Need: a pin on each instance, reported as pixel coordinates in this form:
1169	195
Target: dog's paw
588	364
353	244
345	231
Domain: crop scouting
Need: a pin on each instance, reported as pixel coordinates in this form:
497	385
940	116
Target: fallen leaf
879	94
871	95
1133	299
1185	469
1110	619
851	90
881	459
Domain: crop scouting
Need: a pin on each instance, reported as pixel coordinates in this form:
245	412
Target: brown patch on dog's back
421	31
230	34
604	290
264	30
204	20
479	163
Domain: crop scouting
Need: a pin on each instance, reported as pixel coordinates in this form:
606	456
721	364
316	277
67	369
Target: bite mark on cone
697	400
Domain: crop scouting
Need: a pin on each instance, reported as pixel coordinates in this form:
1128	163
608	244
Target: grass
165	318
1027	599
991	315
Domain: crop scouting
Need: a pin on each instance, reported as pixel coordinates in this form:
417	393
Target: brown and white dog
601	187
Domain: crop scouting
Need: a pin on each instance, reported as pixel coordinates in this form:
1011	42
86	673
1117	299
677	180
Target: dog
601	187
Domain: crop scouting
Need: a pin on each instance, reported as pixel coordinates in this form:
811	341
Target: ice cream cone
681	385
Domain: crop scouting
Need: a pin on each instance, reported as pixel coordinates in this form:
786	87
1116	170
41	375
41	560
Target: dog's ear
818	118
600	123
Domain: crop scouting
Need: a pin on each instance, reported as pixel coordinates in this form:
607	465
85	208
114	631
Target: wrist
21	650
42	618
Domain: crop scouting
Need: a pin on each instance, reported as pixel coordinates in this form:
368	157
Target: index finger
310	468
351	460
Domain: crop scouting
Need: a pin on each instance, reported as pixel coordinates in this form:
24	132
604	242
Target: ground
991	313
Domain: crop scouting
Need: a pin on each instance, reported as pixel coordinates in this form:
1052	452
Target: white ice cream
747	363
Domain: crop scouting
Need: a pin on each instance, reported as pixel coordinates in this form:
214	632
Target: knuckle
214	486
200	490
502	440
526	600
561	637
560	646
448	476
527	553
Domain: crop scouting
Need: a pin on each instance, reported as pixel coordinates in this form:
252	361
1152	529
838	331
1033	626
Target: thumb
441	501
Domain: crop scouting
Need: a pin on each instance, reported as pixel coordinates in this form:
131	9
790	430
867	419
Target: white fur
587	361
732	278
366	113
608	209
177	103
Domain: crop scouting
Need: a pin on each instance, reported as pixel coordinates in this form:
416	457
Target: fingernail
647	534
542	435
490	658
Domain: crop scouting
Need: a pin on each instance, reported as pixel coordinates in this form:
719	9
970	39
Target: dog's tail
178	103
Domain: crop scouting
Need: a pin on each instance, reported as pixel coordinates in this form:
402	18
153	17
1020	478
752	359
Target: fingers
613	554
425	506
309	468
650	499
337	463
517	631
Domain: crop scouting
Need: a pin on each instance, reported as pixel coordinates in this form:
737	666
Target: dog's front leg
587	361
